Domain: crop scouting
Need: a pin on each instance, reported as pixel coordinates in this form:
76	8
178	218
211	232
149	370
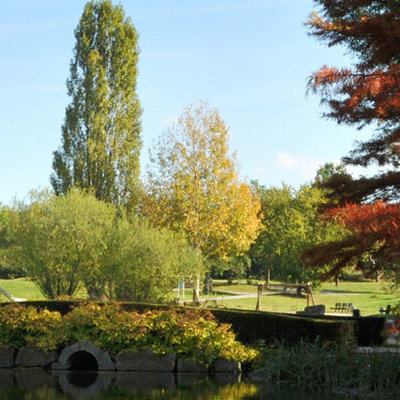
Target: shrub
66	242
143	262
60	240
21	326
107	326
191	334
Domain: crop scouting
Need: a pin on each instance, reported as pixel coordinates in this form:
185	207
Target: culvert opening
83	361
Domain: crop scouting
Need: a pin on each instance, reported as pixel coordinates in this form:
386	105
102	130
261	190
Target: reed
336	368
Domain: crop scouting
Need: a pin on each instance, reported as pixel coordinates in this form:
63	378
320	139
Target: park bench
386	310
343	307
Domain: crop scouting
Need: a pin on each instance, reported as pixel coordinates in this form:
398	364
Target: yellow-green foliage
21	326
191	334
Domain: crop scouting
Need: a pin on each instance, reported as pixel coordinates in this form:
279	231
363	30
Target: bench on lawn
343	307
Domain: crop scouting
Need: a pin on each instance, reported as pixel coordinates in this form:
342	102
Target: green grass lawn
20	288
366	296
23	288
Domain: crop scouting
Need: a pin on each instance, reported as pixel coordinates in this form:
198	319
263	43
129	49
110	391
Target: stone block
31	356
145	360
6	378
315	310
223	365
184	365
7	354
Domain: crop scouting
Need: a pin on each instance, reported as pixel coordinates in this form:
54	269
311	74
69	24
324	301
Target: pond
38	384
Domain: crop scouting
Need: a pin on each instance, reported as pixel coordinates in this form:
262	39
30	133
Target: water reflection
38	384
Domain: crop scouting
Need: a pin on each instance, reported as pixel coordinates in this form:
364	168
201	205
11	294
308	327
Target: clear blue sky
248	58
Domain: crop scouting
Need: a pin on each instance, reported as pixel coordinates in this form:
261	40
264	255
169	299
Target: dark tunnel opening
83	361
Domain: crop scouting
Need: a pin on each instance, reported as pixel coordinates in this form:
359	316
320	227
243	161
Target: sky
250	59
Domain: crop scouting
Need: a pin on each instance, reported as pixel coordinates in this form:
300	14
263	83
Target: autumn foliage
366	94
193	186
193	334
371	31
374	228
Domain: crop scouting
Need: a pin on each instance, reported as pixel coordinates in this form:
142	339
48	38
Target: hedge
252	326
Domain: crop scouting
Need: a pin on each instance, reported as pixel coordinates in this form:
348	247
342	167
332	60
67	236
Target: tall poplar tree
101	131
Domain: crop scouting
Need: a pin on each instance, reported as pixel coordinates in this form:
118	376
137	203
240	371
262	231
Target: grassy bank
313	366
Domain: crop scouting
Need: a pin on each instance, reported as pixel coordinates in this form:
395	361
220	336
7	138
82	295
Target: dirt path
233	296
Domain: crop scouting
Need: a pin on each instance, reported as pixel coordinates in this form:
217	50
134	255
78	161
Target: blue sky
250	59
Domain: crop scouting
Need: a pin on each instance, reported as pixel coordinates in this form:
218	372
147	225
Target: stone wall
79	353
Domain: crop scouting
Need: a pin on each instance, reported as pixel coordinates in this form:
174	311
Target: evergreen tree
101	131
366	94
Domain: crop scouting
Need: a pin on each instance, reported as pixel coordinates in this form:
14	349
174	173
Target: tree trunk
196	290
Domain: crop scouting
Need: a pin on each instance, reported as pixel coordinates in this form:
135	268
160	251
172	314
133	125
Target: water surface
38	384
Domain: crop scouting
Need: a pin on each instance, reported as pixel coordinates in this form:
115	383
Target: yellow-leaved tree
193	186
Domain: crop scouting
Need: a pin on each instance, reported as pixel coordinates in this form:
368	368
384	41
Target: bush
11	272
60	240
66	242
21	326
143	262
193	334
370	331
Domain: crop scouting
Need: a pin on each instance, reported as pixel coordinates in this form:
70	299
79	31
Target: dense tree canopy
193	186
367	94
290	224
76	241
61	241
101	132
375	234
144	263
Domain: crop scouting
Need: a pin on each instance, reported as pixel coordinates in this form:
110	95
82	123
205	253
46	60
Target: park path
233	296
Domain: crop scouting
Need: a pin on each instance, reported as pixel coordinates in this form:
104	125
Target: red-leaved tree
366	94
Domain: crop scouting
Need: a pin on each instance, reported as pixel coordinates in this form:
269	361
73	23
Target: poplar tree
101	131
